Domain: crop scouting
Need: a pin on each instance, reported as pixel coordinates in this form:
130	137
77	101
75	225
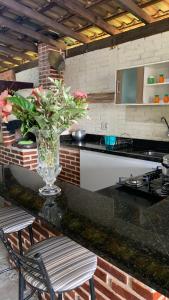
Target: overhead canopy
70	23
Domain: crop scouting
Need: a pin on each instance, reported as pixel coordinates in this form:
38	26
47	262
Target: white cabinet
100	170
139	85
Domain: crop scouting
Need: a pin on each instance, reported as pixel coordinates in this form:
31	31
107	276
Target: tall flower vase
48	143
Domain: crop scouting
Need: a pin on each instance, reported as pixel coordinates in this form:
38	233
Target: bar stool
14	219
56	265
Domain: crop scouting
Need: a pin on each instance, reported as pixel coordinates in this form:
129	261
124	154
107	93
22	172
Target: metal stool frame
35	265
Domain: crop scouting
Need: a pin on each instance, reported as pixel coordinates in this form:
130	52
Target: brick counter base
111	283
69	159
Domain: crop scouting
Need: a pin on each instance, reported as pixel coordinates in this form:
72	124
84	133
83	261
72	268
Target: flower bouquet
47	113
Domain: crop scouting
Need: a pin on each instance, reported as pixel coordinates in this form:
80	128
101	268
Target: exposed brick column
45	70
8	138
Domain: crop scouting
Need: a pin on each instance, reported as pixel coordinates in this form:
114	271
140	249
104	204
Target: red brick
108	292
70	157
28	153
120	275
144	291
70	167
74	163
124	292
65	152
84	294
101	274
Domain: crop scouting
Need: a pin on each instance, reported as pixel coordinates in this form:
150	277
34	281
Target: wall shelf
157	84
132	87
144	104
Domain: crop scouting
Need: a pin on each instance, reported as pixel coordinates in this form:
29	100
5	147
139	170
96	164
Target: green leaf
22	102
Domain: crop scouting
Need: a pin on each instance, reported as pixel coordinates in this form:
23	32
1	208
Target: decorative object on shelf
156	99
161	78
47	113
151	80
166	98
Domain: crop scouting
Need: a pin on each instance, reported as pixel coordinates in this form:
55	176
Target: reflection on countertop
127	230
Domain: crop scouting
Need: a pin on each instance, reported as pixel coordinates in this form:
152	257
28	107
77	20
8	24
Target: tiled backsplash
94	72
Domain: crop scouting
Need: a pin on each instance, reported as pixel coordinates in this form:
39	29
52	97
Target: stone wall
94	72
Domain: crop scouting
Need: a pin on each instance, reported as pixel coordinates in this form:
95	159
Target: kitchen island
129	232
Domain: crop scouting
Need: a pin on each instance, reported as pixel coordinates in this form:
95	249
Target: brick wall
111	283
45	70
94	72
69	158
70	161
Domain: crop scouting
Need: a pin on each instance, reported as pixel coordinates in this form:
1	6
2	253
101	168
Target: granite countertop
133	148
128	230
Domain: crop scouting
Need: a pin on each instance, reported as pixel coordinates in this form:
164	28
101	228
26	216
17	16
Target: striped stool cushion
13	219
68	264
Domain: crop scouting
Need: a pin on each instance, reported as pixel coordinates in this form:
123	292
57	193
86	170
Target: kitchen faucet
164	119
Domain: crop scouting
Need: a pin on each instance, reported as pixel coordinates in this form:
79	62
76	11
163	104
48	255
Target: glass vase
48	144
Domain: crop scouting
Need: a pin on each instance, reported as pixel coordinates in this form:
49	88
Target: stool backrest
29	266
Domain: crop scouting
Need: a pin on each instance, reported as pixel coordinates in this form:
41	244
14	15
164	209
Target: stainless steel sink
152	153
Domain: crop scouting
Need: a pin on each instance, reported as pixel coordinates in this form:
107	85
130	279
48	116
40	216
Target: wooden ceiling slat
17	7
7	39
130	6
33	34
13	53
88	15
11	60
130	35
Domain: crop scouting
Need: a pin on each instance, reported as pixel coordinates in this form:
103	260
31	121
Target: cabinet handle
118	86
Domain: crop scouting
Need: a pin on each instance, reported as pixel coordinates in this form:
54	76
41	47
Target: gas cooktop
150	184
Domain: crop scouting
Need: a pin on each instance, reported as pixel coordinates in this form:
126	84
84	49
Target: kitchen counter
129	148
129	231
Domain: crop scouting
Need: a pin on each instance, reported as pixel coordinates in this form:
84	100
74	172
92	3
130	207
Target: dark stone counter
129	231
127	147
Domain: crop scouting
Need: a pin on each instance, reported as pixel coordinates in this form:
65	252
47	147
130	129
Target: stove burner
135	182
164	191
151	184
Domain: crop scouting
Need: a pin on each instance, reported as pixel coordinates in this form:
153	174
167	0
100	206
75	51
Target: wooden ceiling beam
80	10
21	67
11	60
31	33
10	52
7	39
44	20
132	7
6	65
131	35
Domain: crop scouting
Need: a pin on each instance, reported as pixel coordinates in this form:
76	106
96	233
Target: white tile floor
8	280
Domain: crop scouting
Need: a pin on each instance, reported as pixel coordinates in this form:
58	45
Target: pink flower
36	92
3	97
79	95
5	106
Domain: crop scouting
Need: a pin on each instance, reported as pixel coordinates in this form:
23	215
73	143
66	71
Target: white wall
29	75
95	72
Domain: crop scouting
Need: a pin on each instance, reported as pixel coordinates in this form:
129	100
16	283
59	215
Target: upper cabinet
145	85
129	86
